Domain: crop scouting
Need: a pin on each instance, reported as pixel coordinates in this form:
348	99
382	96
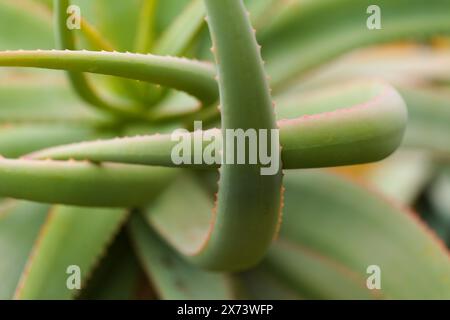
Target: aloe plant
89	181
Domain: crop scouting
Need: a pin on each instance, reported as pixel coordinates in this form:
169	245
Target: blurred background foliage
334	227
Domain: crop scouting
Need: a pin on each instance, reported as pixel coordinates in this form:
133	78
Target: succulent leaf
383	234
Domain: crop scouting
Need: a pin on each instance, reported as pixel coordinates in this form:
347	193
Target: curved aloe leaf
414	265
82	183
192	77
290	51
439	195
403	176
70	237
20	223
344	125
171	275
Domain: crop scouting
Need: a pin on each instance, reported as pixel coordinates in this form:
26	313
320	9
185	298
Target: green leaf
20	223
18	140
439	196
291	51
343	125
70	237
192	77
349	124
263	12
349	224
429	121
82	183
171	275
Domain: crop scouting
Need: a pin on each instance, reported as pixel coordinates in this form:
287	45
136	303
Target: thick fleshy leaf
193	77
18	140
343	125
362	122
357	228
82	183
428	111
177	37
70	237
172	276
20	223
291	51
